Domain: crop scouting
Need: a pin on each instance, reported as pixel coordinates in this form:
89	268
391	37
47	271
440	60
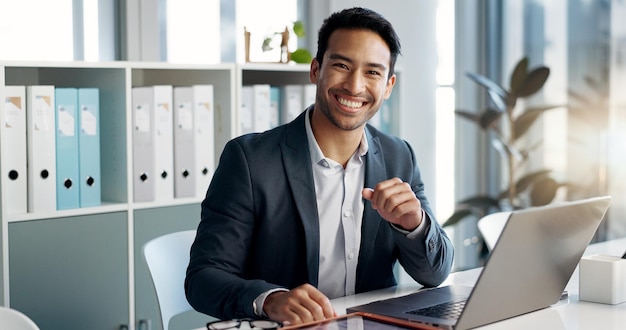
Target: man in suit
323	206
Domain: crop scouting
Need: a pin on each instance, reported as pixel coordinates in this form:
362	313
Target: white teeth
350	104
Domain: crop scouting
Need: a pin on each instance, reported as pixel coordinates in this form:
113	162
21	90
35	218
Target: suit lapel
374	173
297	163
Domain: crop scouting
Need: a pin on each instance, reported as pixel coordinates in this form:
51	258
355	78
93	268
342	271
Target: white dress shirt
340	211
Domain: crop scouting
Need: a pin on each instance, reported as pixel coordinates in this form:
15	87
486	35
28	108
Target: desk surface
567	314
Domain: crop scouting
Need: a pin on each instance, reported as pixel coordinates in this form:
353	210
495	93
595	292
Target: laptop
528	269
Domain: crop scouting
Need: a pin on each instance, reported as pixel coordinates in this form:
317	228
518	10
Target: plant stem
512	190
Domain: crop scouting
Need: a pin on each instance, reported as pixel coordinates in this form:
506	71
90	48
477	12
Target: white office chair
491	225
11	319
167	257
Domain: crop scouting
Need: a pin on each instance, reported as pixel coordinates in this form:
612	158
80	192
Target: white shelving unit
83	268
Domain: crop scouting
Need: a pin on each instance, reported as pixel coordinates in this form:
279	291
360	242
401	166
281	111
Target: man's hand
395	202
300	305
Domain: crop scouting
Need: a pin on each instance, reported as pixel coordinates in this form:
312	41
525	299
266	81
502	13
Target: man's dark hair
359	18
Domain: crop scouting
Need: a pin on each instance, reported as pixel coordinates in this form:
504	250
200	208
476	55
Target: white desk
566	314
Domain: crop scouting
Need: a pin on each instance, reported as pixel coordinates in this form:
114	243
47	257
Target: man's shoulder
270	139
384	137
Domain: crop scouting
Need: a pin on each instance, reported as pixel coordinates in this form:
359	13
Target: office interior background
583	43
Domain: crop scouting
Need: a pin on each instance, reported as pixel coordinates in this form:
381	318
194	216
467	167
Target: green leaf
267	45
533	82
497	94
519	75
499	102
298	29
301	56
524	182
490	118
456	217
525	153
526	119
506	149
488	83
481	202
469	116
543	191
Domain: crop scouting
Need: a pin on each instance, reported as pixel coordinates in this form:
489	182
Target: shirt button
346	213
351	255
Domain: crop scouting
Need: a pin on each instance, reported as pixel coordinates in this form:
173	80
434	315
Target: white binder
308	95
40	131
14	150
204	131
153	143
246	111
292	102
256	112
194	150
262	108
184	143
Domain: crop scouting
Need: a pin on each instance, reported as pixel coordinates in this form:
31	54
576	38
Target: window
36	30
193	31
445	102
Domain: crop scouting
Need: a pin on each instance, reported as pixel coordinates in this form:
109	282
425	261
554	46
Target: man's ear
314	71
390	83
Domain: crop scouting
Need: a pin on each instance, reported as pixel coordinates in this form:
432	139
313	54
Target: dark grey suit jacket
259	228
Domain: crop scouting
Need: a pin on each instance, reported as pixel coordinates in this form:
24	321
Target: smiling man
321	207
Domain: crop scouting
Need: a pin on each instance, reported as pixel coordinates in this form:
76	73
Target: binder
204	121
246	111
261	107
67	185
274	106
41	148
14	150
153	143
194	150
292	102
386	112
89	147
308	95
184	143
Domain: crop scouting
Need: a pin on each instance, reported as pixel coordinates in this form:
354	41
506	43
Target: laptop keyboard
449	310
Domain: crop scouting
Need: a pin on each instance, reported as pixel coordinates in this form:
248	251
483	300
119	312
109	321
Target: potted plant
299	55
507	124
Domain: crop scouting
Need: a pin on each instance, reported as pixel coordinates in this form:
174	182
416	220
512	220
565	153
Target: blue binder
89	147
67	185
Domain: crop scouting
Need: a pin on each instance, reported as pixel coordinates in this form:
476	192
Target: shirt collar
314	149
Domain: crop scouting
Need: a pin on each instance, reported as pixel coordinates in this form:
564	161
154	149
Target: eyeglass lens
244	324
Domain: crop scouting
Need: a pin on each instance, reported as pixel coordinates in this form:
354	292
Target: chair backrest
11	319
167	257
491	225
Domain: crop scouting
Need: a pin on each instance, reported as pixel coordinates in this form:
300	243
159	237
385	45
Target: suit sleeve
214	284
428	257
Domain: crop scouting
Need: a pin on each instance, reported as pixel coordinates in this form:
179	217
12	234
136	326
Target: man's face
352	82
